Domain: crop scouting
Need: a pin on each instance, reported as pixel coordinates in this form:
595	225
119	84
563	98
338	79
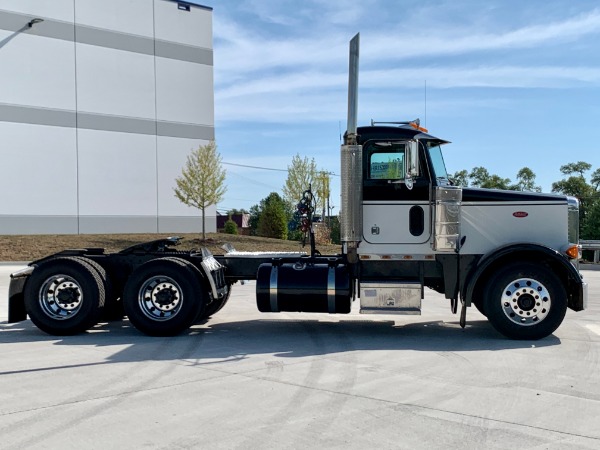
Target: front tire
163	297
525	301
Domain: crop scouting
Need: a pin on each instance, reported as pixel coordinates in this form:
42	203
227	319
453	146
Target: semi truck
404	227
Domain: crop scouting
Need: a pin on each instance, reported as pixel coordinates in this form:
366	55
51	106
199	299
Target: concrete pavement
251	380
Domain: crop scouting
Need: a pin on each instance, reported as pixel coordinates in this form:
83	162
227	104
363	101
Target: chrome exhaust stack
351	165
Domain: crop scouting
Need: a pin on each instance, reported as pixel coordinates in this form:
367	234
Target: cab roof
395	132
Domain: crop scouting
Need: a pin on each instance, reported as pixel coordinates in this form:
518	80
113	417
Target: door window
386	161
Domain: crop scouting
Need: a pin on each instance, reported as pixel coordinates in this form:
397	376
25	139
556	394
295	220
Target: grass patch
31	247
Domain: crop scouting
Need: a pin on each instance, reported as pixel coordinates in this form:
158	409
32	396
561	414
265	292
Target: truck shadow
218	342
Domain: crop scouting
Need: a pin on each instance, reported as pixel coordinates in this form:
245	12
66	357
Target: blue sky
510	83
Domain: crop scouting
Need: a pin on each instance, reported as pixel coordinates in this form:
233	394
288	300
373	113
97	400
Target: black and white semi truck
514	255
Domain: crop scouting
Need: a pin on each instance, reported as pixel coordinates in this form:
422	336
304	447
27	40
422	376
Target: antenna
425	104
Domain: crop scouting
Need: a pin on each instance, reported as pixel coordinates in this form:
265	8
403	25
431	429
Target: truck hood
498	195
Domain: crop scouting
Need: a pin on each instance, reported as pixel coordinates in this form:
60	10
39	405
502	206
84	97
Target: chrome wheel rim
526	301
60	297
160	298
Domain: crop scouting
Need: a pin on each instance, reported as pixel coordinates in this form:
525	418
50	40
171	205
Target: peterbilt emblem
520	214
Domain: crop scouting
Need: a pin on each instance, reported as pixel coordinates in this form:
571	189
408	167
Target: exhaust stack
350	138
351	161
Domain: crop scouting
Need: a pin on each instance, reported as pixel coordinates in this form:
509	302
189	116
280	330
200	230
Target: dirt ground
31	247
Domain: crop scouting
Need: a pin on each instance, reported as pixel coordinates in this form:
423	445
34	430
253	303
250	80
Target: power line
267	168
255	167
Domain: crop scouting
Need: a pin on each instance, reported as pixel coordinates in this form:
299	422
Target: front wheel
525	301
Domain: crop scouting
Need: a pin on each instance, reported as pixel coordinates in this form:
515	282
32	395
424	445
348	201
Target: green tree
202	180
335	230
579	167
596	179
590	228
272	221
526	180
577	186
479	176
496	182
234	211
255	212
460	178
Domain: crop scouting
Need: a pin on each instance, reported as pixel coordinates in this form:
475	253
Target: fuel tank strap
331	290
273	290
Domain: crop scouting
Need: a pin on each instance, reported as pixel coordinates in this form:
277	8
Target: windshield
437	161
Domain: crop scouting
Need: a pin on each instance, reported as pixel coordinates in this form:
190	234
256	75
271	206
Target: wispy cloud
302	76
317	96
241	50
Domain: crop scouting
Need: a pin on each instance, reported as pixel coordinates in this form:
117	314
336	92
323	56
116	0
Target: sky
509	83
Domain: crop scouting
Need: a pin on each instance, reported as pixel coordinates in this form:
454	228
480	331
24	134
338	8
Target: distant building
241	220
100	103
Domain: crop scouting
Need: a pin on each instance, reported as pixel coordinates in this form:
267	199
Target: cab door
393	213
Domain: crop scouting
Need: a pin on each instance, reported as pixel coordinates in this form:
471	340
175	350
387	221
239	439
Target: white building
100	103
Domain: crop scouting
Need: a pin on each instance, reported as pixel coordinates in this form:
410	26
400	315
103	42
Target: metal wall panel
131	17
192	27
115	82
79	97
117	174
177	82
38	170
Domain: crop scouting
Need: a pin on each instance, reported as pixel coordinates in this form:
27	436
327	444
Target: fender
16	302
575	295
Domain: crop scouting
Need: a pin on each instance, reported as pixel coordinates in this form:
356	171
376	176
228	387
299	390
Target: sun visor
430	138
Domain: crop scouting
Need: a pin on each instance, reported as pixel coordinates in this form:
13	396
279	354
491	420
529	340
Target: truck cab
408	227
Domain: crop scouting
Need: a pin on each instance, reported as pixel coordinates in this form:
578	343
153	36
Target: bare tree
202	180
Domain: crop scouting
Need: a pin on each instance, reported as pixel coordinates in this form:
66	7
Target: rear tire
113	306
64	296
163	297
525	301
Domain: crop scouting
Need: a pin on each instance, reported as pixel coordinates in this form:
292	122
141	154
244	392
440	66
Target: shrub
231	227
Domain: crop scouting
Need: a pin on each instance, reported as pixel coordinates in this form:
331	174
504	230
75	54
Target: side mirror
412	163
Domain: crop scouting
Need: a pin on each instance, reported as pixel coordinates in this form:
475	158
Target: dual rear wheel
65	296
162	297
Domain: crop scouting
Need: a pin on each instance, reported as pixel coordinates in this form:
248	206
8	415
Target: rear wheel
163	297
113	306
525	301
64	296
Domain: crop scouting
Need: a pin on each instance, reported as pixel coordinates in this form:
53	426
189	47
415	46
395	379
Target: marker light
416	126
574	251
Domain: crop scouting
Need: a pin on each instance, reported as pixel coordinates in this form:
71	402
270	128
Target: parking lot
251	380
